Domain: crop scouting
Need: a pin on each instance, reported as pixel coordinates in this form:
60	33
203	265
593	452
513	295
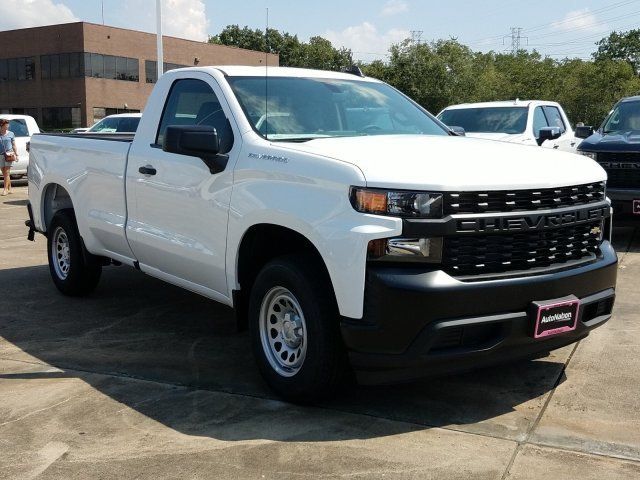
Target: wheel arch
54	199
262	243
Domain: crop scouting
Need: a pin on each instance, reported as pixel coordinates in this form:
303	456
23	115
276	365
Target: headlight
591	155
397	203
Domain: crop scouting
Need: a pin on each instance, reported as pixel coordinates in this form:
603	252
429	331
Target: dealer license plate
553	317
636	207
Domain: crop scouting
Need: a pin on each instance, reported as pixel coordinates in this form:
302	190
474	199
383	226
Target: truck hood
426	162
502	137
612	142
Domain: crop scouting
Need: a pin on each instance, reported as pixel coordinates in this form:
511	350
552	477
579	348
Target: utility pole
416	36
516	39
159	35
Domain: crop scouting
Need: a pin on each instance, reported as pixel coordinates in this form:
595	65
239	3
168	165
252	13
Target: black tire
77	272
324	366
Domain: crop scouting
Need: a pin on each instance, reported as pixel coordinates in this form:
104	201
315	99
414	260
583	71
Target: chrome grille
522	200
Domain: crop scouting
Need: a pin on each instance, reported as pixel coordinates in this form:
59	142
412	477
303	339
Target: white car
526	122
23	127
119	123
355	232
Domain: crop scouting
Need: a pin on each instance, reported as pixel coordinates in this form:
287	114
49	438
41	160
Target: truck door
567	141
178	209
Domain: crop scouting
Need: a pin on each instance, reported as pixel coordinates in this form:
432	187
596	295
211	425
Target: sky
557	28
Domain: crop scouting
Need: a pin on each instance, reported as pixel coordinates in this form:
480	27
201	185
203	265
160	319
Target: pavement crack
534	425
35	412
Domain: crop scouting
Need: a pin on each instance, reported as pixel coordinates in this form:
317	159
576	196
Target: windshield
19	128
624	117
300	109
116	124
487	120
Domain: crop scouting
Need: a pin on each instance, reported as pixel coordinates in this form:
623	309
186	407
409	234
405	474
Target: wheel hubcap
60	253
283	331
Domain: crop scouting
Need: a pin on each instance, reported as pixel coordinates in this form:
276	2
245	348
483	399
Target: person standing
9	153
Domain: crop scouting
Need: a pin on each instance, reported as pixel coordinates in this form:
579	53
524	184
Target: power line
516	38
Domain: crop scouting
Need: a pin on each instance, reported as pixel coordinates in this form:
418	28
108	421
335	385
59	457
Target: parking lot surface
145	380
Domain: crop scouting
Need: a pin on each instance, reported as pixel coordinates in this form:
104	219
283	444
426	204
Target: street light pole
159	34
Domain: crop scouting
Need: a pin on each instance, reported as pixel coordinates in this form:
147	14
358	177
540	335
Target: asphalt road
144	380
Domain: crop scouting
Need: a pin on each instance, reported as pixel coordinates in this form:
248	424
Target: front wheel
293	322
70	264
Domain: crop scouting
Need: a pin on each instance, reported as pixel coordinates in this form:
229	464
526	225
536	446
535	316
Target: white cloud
393	7
180	18
365	41
582	20
33	13
185	19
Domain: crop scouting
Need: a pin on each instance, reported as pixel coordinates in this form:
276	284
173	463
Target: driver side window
539	121
192	102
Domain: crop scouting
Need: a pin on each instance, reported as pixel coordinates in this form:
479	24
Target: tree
317	53
621	46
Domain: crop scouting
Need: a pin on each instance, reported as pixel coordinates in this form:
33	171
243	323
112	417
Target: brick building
73	74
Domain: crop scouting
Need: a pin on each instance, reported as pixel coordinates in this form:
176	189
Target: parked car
526	122
616	147
369	240
23	126
119	123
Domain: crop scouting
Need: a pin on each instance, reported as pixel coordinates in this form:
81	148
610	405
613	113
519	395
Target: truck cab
524	122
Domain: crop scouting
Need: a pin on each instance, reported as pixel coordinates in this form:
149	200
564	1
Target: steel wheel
60	253
283	331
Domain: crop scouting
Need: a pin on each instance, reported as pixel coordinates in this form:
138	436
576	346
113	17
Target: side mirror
584	132
196	141
548	133
458	131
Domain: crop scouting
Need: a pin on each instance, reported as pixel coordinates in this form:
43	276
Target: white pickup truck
23	127
525	122
351	231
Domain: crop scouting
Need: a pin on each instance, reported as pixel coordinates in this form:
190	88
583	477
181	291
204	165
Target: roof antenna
266	78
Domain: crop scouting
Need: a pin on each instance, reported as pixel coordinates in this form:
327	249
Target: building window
60	118
151	69
13	69
74	65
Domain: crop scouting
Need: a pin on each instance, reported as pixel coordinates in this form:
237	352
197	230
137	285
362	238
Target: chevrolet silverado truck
524	122
616	147
351	231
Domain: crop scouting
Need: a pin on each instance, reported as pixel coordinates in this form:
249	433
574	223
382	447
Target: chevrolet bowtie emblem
595	231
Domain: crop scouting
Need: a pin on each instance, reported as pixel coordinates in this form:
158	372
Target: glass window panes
55	66
121	68
185	104
97	65
151	71
30	68
554	118
76	68
60	118
13	68
21	65
133	69
4	72
109	67
539	121
64	65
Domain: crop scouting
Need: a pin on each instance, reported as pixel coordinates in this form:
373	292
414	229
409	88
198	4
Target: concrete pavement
144	380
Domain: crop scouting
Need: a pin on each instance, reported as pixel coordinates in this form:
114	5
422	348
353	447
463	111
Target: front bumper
622	199
419	323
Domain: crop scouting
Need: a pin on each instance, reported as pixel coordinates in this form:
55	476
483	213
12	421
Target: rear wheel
72	268
293	320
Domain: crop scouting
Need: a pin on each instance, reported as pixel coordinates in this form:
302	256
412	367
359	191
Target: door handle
147	170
